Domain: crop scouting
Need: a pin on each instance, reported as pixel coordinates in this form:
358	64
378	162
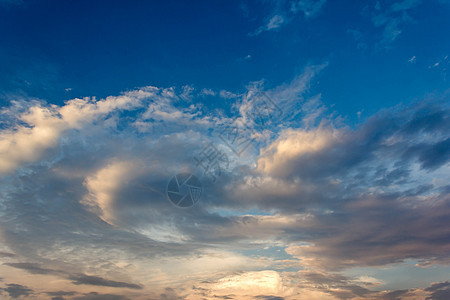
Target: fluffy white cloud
280	157
42	126
104	185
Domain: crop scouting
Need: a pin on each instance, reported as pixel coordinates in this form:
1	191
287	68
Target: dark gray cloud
395	295
337	285
225	297
438	286
170	294
16	290
263	297
6	254
76	279
97	296
60	293
32	268
440	295
439	291
99	281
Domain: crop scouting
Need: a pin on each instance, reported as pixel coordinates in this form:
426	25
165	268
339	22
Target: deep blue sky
99	49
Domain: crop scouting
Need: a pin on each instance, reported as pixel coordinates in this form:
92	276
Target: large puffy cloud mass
83	205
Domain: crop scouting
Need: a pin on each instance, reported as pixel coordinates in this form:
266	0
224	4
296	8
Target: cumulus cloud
104	185
41	127
278	159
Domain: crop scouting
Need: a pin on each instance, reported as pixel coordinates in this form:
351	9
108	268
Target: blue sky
99	50
342	192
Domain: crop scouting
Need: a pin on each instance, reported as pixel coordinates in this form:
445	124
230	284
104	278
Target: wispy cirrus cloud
392	18
273	23
285	11
310	8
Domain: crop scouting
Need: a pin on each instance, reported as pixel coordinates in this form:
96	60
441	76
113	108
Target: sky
278	150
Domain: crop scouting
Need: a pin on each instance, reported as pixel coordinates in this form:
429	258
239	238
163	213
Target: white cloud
207	92
283	16
309	7
227	94
265	282
293	145
27	143
43	126
273	23
104	185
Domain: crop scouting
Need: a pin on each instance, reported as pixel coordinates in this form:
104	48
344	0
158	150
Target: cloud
6	254
227	94
310	8
208	92
103	187
391	164
273	23
312	198
304	285
279	158
41	127
380	133
439	291
77	279
285	12
60	293
97	296
170	294
404	5
245	285
392	19
284	285
32	268
175	110
284	105
16	290
98	281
